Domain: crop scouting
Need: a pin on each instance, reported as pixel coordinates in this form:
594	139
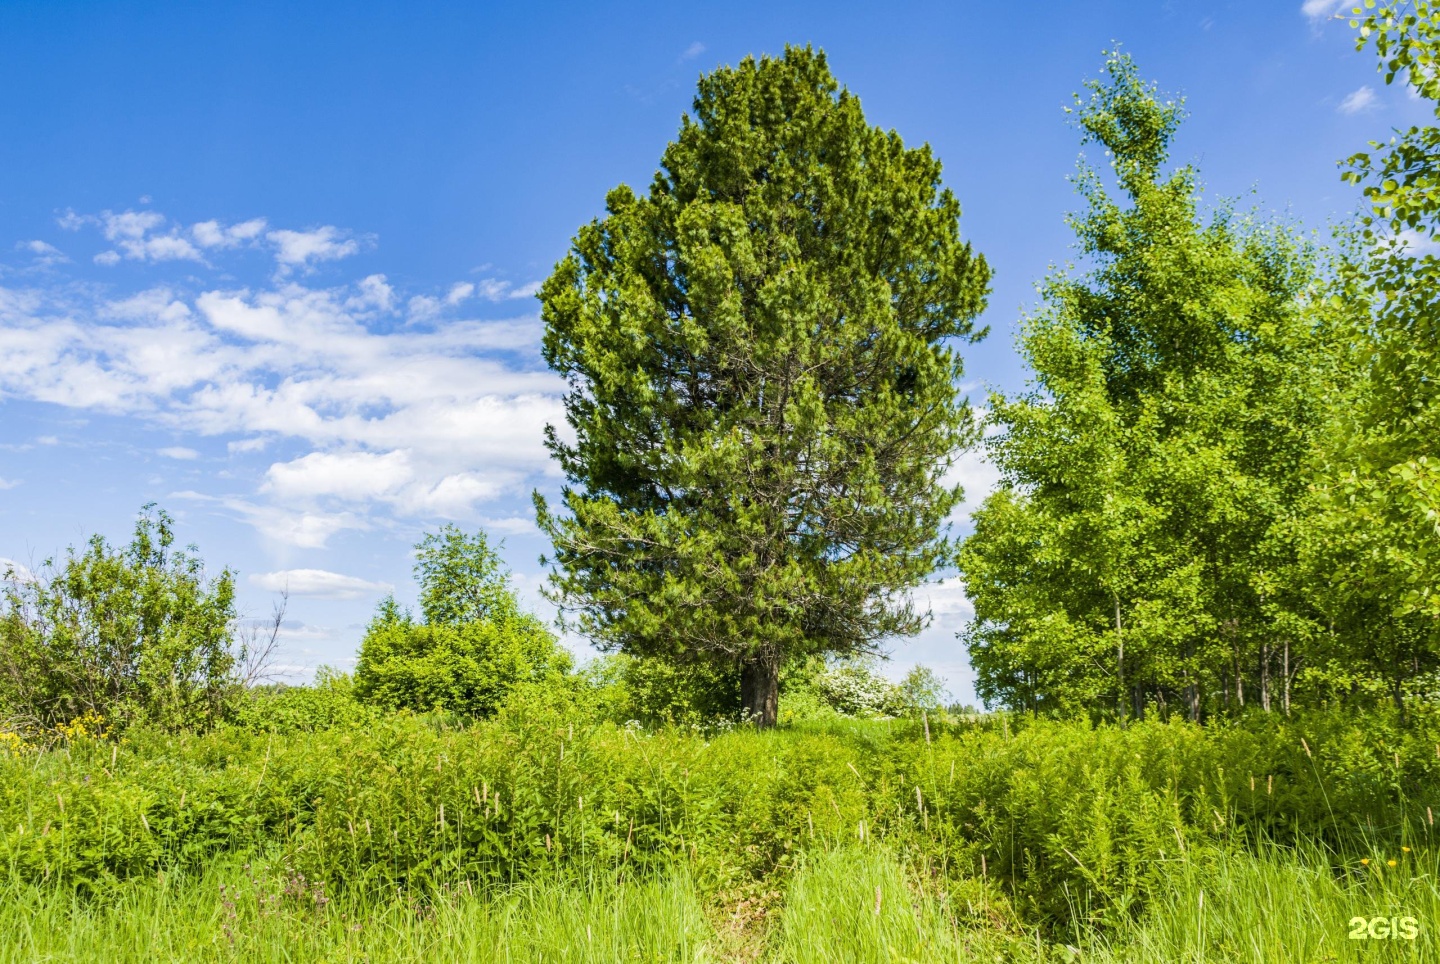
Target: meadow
315	828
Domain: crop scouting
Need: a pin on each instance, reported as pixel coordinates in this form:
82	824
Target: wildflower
1406	849
1365	861
1392	863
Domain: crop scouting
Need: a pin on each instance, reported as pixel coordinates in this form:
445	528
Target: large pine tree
763	384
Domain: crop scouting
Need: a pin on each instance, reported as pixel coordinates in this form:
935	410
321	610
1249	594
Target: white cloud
1418	243
300	529
979	478
45	254
374	418
179	452
697	48
7	484
1320	9
423	308
133	233
374	294
242	446
300	249
1357	101
352	476
459	292
131	225
212	234
318	583
21	571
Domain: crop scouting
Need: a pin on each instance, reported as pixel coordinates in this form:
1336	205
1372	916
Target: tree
138	633
472	643
1139	547
762	384
923	689
1377	544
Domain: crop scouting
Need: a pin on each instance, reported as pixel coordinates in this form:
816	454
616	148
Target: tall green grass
229	913
1061	830
857	903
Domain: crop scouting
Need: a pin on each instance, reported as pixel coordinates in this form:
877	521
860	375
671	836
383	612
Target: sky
272	265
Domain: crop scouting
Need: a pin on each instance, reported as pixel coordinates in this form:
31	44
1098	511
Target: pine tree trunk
760	691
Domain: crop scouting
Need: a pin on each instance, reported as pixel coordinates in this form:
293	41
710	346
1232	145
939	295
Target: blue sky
270	264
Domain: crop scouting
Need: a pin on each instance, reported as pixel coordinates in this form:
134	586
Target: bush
1070	820
470	647
654	691
329	702
850	686
128	634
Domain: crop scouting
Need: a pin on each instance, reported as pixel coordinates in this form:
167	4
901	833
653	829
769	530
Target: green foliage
132	634
851	903
472	645
1374	550
655	691
1058	821
328	702
1141	547
762	385
849	686
923	689
462	580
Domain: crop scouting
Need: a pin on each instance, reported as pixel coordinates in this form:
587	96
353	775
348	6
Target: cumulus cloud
212	234
318	583
354	476
1357	101
301	249
137	237
7	484
373	417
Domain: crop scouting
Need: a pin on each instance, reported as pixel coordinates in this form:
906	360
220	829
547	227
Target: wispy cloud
43	253
1320	9
1357	101
179	452
318	583
692	51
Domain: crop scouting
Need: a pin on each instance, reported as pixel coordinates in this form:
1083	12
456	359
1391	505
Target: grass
547	835
854	904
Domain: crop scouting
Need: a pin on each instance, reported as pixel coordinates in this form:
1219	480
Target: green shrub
132	634
470	647
850	686
1070	821
328	702
653	691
